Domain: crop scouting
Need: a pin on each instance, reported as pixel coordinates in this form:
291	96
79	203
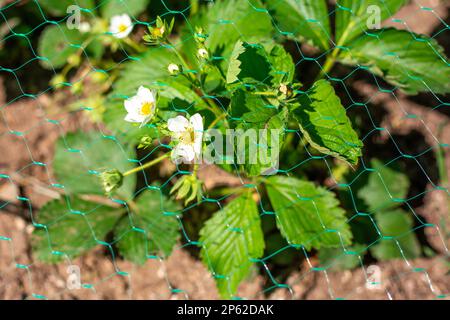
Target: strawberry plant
228	69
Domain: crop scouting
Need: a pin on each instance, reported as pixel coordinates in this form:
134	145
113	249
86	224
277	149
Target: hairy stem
147	165
134	45
178	54
216	120
331	59
329	63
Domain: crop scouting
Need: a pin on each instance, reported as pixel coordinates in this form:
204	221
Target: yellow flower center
188	136
122	28
158	32
146	108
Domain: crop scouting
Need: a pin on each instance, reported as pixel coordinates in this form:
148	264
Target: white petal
197	122
116	20
183	153
132	117
146	94
125	19
198	142
124	34
197	147
133	104
113	29
145	121
177	124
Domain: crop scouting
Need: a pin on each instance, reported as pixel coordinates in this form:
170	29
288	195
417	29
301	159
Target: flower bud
74	60
203	53
84	27
200	36
99	77
145	142
111	180
57	81
188	188
285	90
173	68
158	32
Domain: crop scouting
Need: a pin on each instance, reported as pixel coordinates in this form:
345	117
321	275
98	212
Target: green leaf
147	69
282	65
248	62
386	187
116	7
59	7
260	63
70	227
353	17
246	107
402	58
395	226
251	114
235	65
336	259
96	48
225	22
153	229
325	125
80	157
307	215
231	240
304	20
268	145
56	44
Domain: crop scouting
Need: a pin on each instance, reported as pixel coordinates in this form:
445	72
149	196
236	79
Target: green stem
194	7
66	70
147	165
222	75
329	63
194	172
222	116
178	54
228	190
134	45
440	157
331	59
265	93
212	107
83	46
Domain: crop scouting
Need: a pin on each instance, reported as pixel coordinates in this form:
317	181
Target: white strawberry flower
121	26
141	107
189	135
